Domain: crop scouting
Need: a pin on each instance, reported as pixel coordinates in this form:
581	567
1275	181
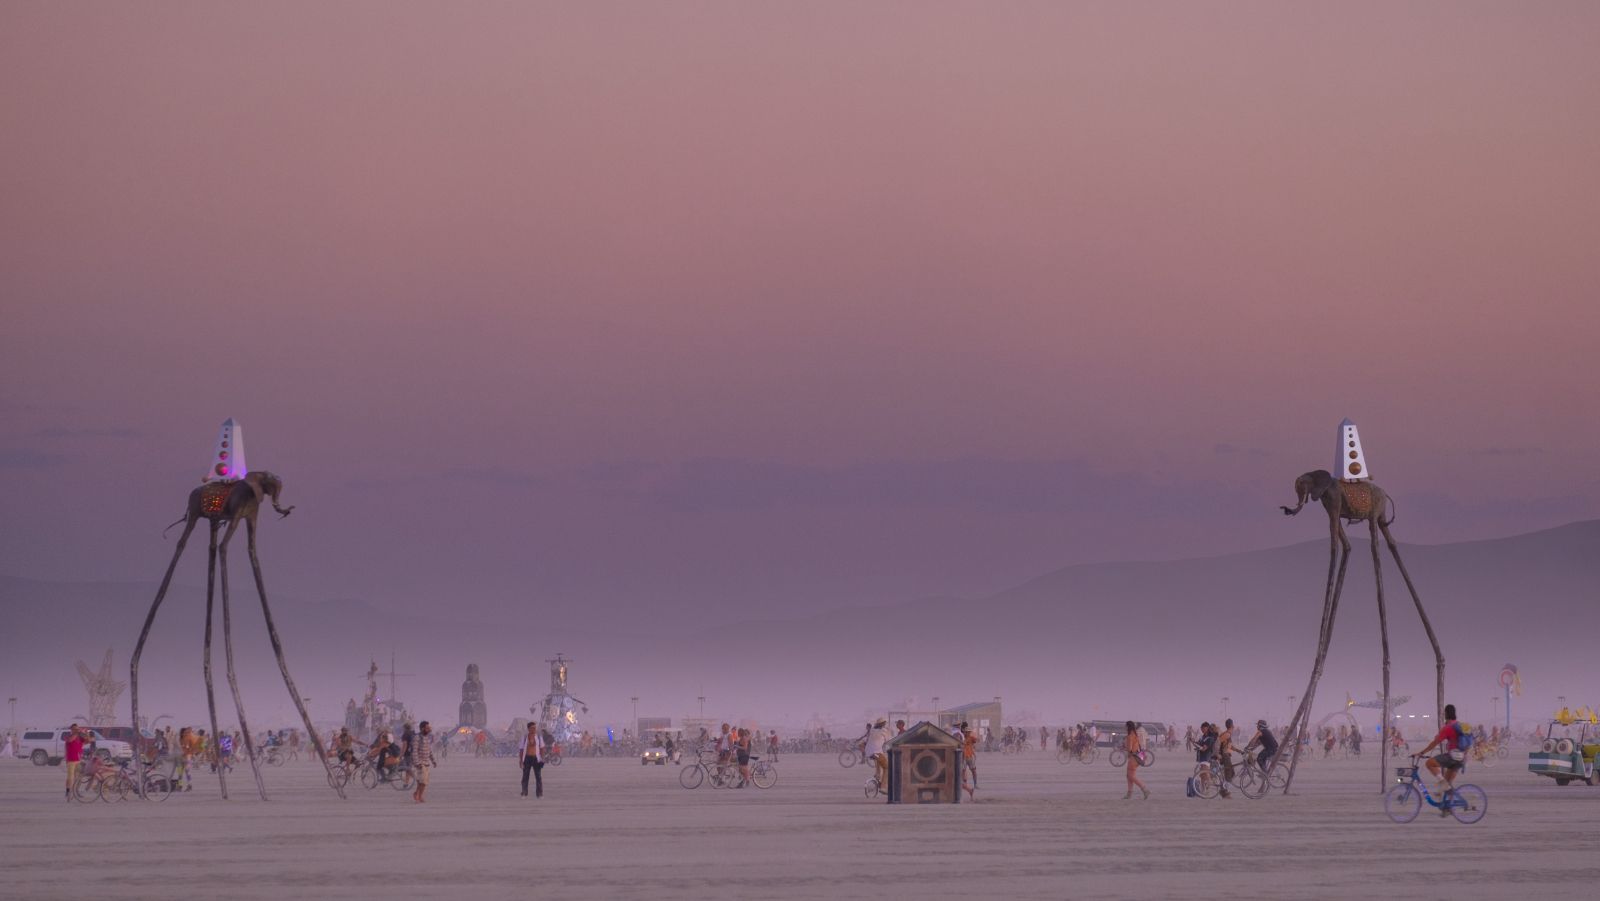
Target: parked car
49	746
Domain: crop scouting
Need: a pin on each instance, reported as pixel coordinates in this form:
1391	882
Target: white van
49	746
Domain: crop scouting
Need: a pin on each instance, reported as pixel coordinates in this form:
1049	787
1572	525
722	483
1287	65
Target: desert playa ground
611	828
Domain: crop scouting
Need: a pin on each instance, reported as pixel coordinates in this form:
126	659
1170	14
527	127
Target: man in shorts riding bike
1266	741
877	737
1451	759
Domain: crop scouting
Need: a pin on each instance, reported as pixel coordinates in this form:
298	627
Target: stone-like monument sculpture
229	493
103	691
1352	497
473	712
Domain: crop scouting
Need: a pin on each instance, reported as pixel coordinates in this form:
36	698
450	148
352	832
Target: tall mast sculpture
229	493
1352	497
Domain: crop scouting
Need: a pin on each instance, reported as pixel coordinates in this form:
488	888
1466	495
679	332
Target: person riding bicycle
1451	760
1205	751
345	747
877	737
1267	742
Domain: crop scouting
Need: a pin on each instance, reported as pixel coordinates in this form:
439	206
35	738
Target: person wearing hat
1266	741
876	739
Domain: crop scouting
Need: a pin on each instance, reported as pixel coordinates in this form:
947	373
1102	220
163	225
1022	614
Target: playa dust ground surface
611	828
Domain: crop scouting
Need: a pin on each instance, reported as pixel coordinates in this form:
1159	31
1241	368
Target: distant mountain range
1140	639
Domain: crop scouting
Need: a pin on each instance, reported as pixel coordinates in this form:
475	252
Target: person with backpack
1453	739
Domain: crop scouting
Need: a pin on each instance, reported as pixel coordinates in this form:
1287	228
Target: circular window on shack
927	766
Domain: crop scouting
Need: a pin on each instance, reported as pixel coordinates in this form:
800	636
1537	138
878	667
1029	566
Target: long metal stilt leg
1316	672
1383	631
283	665
1438	654
1293	728
144	634
233	679
211	694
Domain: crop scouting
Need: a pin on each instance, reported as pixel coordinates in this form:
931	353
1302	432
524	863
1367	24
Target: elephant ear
1321	482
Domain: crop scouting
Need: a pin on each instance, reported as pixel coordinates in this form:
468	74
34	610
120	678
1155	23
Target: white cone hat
1349	463
227	461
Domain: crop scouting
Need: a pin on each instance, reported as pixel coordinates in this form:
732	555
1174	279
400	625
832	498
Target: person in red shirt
75	743
1449	763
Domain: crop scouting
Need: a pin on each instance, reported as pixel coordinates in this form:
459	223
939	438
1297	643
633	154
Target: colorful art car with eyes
1571	756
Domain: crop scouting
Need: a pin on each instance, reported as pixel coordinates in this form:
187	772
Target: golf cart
1567	757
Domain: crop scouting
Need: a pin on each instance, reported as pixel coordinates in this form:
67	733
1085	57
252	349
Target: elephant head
1311	486
268	485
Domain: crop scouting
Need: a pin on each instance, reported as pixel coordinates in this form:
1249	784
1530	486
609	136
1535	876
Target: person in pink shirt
76	740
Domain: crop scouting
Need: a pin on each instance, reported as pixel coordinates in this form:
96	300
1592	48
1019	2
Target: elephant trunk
1302	488
273	490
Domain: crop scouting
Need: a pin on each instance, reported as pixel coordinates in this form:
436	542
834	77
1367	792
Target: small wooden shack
924	766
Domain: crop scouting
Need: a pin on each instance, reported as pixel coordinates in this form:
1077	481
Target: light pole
936	710
702	700
1224	708
13	703
635	700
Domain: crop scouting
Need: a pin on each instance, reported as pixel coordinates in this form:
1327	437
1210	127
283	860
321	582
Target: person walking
969	753
531	753
422	759
1133	743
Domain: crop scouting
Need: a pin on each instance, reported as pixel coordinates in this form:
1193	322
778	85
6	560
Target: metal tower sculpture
103	691
1352	497
229	493
558	712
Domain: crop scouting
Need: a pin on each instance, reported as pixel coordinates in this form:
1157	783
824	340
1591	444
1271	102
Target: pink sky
658	297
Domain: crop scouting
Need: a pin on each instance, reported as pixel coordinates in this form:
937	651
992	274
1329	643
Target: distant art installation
474	712
229	493
1352	497
103	691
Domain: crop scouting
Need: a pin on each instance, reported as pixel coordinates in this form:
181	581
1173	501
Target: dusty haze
636	322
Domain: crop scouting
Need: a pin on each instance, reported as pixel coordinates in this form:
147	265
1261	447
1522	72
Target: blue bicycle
1403	801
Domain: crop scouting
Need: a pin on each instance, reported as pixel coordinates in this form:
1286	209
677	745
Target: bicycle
1481	754
399	776
1119	757
1211	779
720	775
274	756
873	788
849	757
1274	779
762	773
1402	802
1084	754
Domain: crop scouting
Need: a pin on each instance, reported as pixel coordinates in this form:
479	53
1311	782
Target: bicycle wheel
764	775
1402	803
1487	760
1118	758
725	777
847	758
1468	804
691	776
1148	759
86	789
1063	756
403	780
369	777
871	788
1278	777
555	760
1090	755
1251	782
1207	784
115	788
1502	752
158	788
338	777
